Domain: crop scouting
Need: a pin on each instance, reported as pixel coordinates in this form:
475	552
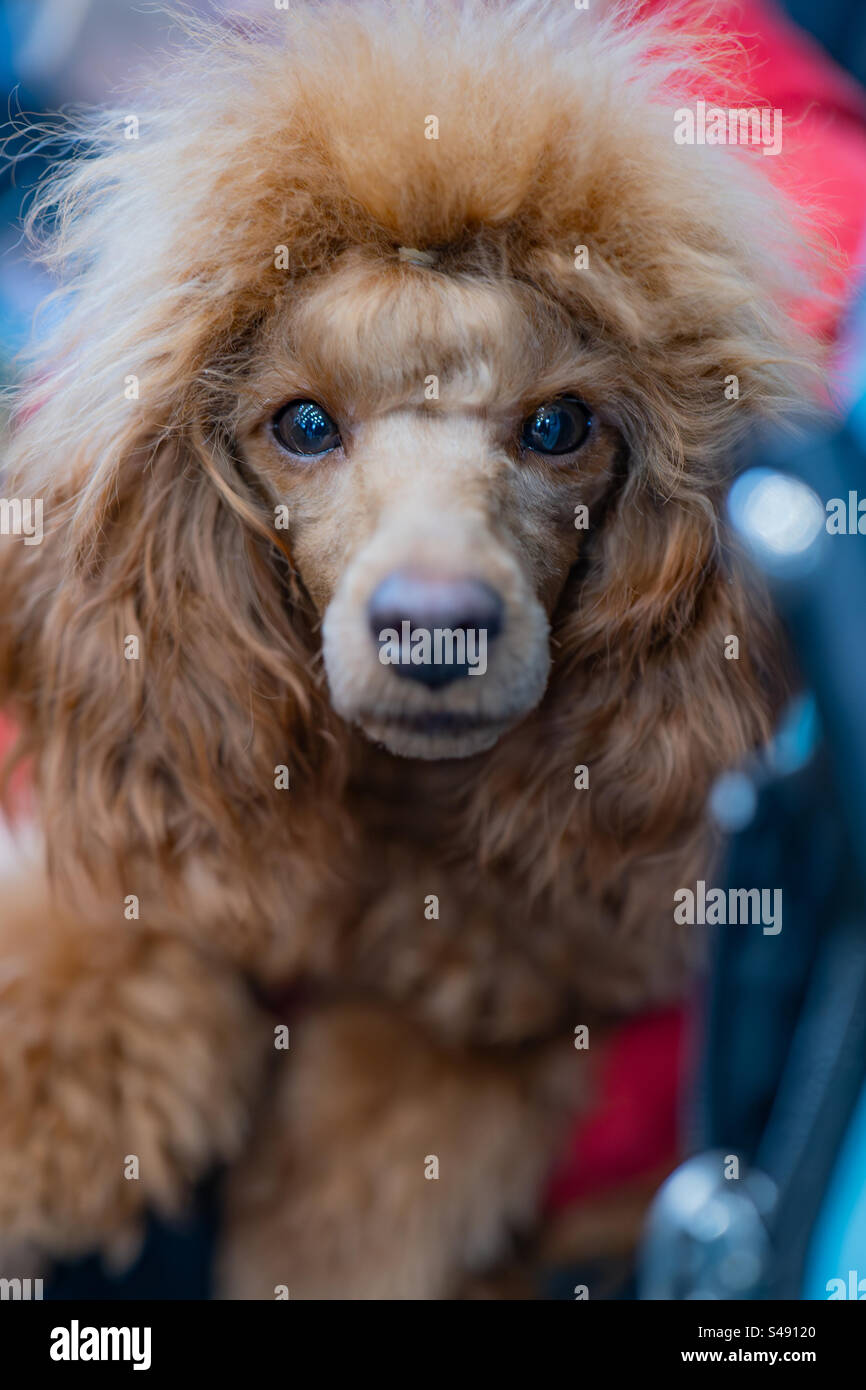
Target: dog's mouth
433	722
432	733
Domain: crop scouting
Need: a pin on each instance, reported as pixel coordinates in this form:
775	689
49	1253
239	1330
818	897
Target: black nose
434	628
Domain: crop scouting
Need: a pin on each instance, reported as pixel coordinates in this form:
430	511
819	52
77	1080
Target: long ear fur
162	666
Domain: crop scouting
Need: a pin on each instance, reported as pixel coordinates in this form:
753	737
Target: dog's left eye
305	428
558	427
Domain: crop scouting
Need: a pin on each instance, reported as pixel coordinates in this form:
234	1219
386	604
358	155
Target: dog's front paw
127	1064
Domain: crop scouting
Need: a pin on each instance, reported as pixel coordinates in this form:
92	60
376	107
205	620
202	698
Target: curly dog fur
155	777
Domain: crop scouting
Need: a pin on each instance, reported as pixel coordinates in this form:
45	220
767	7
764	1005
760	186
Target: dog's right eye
558	427
303	427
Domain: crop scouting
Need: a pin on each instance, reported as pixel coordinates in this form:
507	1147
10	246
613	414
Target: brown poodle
379	321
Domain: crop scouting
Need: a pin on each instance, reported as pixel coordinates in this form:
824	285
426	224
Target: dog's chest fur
411	917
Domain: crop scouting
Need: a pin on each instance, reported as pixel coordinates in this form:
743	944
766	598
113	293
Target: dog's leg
127	1067
385	1167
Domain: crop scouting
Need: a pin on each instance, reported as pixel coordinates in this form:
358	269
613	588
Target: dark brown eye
304	427
559	427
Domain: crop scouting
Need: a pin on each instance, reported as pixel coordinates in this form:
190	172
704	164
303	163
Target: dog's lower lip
433	722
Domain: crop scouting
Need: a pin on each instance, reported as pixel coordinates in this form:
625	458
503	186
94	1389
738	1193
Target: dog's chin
434	735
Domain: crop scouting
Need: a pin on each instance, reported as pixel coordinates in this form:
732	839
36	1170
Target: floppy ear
670	634
686	670
155	648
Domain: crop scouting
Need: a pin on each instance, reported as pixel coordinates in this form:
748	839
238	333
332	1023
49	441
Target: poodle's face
436	445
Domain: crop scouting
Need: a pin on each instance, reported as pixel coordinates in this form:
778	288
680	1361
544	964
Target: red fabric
822	165
633	1128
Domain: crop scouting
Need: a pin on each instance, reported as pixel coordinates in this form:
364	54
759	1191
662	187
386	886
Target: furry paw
127	1065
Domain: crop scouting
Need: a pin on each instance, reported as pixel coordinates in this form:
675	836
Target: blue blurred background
56	54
